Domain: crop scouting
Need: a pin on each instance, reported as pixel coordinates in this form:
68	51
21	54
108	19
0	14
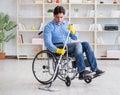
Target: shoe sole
101	73
90	74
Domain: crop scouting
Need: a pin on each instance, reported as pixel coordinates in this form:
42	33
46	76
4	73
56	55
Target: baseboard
108	58
10	57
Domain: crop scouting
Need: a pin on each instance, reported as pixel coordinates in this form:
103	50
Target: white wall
9	7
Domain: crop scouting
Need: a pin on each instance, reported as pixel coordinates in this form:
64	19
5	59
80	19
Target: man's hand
71	28
60	51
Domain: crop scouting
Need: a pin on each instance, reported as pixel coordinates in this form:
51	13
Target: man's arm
48	39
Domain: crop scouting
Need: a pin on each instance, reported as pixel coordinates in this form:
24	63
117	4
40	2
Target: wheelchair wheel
43	67
67	81
66	69
88	79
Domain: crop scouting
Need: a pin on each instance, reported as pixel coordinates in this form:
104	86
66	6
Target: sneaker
99	72
82	74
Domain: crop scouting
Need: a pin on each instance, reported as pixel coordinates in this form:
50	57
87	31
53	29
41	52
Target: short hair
59	9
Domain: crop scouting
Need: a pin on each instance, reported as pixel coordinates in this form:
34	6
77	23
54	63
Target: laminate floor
16	78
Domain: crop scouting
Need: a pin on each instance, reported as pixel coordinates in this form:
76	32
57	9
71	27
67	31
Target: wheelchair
47	66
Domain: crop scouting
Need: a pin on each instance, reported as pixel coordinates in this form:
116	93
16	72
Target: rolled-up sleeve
73	37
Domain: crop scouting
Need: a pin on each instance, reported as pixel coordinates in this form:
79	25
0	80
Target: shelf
29	31
27	57
108	44
85	31
29	44
104	31
84	4
51	17
29	4
89	14
106	58
108	4
107	17
76	17
30	17
56	3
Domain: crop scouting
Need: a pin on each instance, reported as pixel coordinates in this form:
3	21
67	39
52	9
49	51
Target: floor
16	78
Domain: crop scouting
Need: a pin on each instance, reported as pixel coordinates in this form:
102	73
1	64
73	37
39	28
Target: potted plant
5	26
50	12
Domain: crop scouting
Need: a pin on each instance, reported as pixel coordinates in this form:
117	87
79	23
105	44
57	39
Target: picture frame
49	1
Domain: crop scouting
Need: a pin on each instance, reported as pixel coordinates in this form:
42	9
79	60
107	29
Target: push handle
40	32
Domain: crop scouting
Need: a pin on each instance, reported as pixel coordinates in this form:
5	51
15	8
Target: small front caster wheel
88	79
68	81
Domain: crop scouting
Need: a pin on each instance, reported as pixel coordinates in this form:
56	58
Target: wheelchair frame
57	62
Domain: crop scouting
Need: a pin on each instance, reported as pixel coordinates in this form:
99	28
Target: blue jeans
77	49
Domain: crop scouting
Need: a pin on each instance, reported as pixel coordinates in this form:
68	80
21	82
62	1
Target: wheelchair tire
88	79
68	81
43	67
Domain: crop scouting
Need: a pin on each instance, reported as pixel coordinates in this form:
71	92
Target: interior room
28	67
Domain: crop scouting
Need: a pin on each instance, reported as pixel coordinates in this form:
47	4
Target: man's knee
78	47
85	44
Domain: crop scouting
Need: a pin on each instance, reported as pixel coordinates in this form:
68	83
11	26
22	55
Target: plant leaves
1	15
2	36
3	20
9	37
5	26
10	25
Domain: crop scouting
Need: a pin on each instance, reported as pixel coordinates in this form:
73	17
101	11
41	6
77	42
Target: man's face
59	18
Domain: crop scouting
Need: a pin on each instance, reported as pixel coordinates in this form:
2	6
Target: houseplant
50	12
5	34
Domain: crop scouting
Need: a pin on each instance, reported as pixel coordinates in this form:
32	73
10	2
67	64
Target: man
57	30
